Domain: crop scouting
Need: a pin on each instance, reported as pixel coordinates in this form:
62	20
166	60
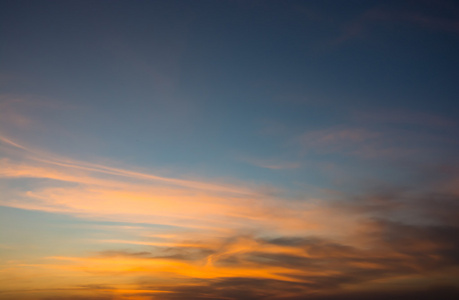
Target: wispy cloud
394	117
385	240
424	17
387	255
273	164
384	136
228	237
98	191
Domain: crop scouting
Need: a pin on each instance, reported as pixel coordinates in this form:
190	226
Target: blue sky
229	138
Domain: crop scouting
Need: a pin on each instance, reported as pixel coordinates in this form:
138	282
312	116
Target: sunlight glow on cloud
234	150
226	232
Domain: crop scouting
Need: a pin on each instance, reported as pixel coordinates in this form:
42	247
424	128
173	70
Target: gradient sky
229	149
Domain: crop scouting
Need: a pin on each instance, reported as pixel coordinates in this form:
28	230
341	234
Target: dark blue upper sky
215	86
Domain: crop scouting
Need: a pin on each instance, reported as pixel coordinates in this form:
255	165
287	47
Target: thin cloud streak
240	237
272	163
125	173
182	203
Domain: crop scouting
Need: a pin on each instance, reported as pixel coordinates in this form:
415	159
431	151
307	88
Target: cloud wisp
227	241
232	240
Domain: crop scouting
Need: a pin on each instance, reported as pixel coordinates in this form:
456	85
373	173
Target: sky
229	149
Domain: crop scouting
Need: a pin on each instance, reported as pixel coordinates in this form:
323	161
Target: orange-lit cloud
298	265
225	237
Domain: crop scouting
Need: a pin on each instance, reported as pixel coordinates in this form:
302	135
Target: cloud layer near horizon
228	238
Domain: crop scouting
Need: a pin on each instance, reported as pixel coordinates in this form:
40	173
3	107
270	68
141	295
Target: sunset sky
217	149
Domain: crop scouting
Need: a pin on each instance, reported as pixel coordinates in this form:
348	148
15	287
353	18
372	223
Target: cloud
336	139
381	256
234	241
272	164
386	137
394	117
431	15
102	192
354	141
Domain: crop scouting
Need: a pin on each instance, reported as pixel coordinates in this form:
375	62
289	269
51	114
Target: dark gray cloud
79	298
253	289
174	253
397	250
409	231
